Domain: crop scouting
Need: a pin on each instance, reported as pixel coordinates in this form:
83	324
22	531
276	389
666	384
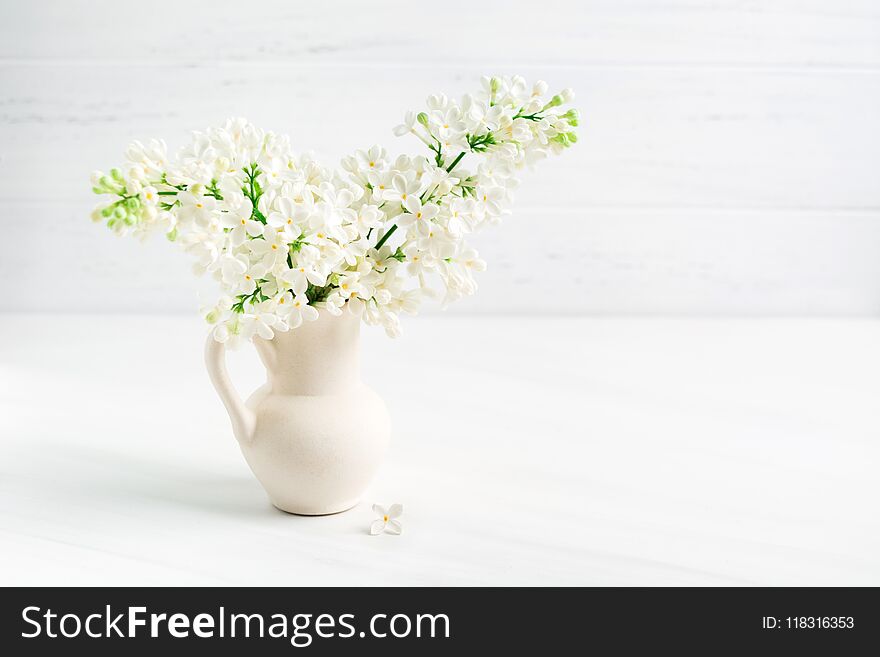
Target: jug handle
243	419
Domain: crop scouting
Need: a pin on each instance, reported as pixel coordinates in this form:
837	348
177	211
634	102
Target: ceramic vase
314	434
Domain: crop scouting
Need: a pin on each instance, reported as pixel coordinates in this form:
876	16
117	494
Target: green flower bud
494	85
117	175
562	140
132	203
422	118
120	212
172	235
99	190
572	137
556	101
212	316
106	212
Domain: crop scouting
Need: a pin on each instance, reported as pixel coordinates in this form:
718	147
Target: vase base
315	511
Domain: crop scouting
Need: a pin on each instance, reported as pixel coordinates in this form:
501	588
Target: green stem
253	192
455	161
438	153
385	237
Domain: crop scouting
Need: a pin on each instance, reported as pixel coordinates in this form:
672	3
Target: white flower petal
309	313
395	510
344	198
394	527
379	510
412	204
377	527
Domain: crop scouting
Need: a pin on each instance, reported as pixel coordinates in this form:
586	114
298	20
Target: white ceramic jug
314	434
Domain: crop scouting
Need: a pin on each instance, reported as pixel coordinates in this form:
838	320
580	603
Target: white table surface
525	451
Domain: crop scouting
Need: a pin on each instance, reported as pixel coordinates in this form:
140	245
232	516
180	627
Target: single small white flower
334	303
434	239
300	311
148	195
195	208
403	188
241	224
298	278
372	159
288	216
416	213
369	216
460	219
387	520
418	262
380	181
492	200
231	268
447	127
408	125
351	286
272	250
264	322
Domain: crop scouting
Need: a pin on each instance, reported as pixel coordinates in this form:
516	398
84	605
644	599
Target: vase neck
316	358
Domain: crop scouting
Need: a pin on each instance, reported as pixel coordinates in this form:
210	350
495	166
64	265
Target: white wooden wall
728	162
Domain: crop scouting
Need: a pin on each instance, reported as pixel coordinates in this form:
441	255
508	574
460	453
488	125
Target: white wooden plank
689	262
580	261
458	32
660	138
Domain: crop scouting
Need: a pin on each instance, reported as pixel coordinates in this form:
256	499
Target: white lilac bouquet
285	237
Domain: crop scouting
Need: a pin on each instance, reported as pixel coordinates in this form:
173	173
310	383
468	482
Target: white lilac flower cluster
286	237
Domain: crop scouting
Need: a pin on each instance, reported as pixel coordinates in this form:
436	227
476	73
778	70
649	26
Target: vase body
314	434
